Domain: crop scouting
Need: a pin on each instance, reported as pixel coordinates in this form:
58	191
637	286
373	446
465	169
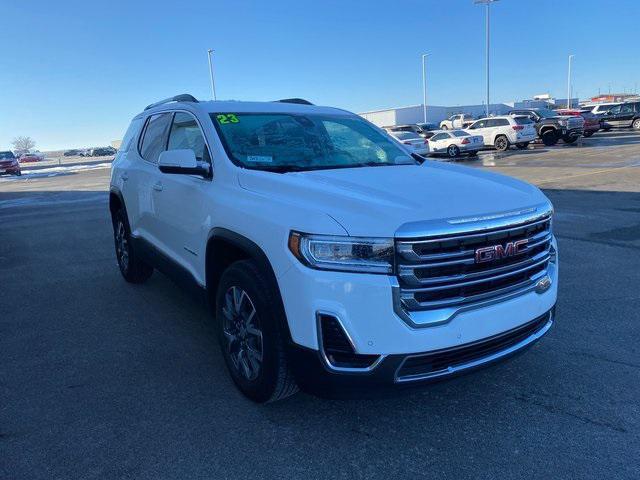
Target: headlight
348	254
564	123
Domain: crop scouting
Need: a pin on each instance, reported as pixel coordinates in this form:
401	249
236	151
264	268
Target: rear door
439	142
143	176
625	117
483	128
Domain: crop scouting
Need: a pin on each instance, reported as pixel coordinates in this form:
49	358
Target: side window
479	124
501	122
440	136
132	131
627	108
186	134
155	136
490	123
615	110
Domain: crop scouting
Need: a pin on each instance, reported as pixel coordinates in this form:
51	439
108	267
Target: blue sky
75	72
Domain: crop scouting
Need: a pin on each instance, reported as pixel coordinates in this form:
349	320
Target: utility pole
424	87
487	4
569	83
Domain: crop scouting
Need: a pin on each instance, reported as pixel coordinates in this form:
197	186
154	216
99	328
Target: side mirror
182	162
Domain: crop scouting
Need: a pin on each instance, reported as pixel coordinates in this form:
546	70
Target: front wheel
250	336
522	145
453	151
549	138
501	143
636	124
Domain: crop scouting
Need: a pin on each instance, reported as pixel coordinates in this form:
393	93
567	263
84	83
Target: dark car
551	126
624	115
9	164
72	153
103	152
422	129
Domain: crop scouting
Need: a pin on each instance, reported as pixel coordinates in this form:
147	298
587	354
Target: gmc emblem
496	252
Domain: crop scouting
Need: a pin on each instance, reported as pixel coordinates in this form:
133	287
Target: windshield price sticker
259	159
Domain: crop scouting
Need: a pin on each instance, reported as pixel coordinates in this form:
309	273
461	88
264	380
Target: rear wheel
549	138
636	124
453	151
522	145
252	343
132	268
501	143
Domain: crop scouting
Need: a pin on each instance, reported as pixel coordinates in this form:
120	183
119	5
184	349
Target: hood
376	201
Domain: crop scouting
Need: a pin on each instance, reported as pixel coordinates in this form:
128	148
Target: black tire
444	127
18	174
636	124
549	138
570	140
473	153
132	268
588	134
501	143
453	151
269	378
522	145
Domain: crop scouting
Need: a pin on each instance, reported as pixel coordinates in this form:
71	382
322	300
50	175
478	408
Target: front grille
575	122
449	360
442	272
337	348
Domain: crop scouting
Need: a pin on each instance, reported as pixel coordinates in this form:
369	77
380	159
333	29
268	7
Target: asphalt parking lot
100	379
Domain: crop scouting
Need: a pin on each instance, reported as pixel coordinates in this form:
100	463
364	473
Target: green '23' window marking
227	118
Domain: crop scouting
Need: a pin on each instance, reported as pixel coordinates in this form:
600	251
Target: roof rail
299	101
185	97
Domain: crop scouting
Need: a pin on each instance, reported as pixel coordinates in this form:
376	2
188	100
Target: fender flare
257	254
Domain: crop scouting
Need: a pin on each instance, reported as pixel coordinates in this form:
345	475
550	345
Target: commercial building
435	113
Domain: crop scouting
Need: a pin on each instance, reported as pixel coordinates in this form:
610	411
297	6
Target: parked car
501	132
591	121
320	245
9	164
102	152
412	142
454	142
551	126
599	108
428	127
461	120
85	152
29	157
625	115
414	128
72	153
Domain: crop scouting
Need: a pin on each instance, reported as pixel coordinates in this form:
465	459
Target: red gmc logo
496	252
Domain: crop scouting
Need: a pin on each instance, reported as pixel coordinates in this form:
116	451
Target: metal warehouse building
435	114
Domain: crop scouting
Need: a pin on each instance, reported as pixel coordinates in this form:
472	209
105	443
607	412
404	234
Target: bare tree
23	143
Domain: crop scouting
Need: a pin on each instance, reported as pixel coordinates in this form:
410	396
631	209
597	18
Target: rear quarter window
131	133
155	135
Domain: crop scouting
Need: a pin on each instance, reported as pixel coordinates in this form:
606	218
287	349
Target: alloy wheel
122	246
242	335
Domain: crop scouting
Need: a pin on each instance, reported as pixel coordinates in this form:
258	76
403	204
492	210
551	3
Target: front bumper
398	371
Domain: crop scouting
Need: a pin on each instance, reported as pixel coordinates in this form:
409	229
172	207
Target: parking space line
551	180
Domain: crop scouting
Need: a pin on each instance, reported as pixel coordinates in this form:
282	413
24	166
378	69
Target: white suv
333	259
503	131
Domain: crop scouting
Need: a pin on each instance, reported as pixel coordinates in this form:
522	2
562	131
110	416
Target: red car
29	157
591	121
9	164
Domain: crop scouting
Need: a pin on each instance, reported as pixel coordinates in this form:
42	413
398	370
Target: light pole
569	83
424	87
213	85
487	4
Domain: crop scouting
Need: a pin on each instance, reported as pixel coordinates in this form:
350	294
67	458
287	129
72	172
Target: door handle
124	177
157	186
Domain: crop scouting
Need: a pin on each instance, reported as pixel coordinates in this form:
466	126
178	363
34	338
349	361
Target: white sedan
455	142
412	142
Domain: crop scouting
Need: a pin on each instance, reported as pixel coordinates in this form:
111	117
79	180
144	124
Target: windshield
546	113
290	142
6	155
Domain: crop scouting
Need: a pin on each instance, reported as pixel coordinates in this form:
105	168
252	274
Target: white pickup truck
333	260
461	120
